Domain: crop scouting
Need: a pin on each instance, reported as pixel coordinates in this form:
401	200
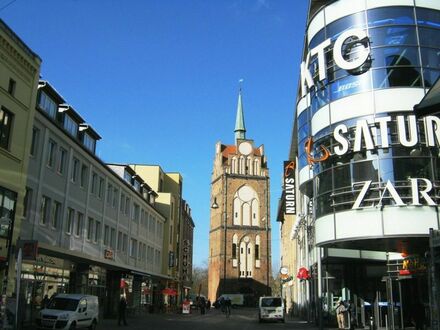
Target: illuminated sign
108	254
347	58
289	188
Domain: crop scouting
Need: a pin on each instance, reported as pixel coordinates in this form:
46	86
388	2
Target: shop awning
170	292
430	104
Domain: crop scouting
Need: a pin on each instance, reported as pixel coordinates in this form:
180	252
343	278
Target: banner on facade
289	187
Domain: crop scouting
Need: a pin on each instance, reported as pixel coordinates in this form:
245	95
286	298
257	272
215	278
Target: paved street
243	319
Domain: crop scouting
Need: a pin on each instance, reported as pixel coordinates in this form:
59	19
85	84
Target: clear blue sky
159	80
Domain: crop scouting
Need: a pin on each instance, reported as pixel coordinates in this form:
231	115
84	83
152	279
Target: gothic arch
246	207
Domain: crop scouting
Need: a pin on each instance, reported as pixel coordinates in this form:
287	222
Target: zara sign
340	54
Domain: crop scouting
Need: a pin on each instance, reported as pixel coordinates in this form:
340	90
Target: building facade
19	74
96	225
367	166
177	236
240	232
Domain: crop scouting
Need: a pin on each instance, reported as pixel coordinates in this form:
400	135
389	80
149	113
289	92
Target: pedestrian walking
45	302
121	311
208	305
341	311
202	305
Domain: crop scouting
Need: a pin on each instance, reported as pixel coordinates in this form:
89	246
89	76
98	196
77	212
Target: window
127	177
45	210
391	16
119	241
94	182
100	187
79	224
109	193
8	200
56	211
5	127
51	153
257	252
112	238
70	218
121	206
133	248
106	235
70	125
47	105
124	243
34	143
11	86
75	169
27	202
84	170
115	197
234	251
89	142
62	160
97	231
90	229
139	255
127	206
135	215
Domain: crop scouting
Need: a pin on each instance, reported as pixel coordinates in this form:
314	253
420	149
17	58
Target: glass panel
343	175
319	98
393	35
396	77
430	57
390	16
303	132
324	182
317	39
429	37
428	17
303	118
395	56
401	169
302	161
348	22
430	77
324	205
363	171
350	85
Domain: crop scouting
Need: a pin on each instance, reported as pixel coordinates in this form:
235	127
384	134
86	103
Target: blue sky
159	80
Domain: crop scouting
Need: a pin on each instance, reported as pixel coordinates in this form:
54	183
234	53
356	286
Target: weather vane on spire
240	83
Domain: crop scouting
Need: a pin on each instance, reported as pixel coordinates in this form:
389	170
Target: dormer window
89	142
71	126
127	177
48	105
137	185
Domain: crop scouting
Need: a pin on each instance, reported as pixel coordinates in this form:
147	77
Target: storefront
368	168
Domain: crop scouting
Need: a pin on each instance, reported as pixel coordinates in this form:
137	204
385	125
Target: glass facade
404	46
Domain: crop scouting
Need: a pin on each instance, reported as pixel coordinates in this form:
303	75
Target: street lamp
214	204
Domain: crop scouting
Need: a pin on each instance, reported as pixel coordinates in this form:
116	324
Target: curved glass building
368	167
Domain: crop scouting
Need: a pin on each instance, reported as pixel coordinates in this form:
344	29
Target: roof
232	150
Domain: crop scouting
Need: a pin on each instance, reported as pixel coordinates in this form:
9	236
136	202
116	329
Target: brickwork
228	275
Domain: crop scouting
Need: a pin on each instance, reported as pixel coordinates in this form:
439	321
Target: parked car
271	308
70	311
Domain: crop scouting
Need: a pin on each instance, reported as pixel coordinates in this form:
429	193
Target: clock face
245	148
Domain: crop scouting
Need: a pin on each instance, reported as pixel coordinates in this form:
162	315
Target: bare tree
200	279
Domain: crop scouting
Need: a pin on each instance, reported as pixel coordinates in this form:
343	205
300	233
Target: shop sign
29	249
108	254
420	187
185	258
339	57
289	187
413	265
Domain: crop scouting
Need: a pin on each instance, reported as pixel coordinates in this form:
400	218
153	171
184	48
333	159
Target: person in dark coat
202	305
45	302
121	311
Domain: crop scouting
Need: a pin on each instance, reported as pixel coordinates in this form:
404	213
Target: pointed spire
240	129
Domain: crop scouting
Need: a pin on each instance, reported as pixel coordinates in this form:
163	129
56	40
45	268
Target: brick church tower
239	237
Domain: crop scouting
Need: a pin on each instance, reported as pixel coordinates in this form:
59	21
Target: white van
70	311
271	308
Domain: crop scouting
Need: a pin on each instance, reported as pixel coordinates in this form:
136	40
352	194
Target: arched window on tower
257	251
234	250
255	212
246	214
241	165
237	212
234	165
242	259
256	167
248	166
249	260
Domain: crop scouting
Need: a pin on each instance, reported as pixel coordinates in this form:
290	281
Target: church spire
240	130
